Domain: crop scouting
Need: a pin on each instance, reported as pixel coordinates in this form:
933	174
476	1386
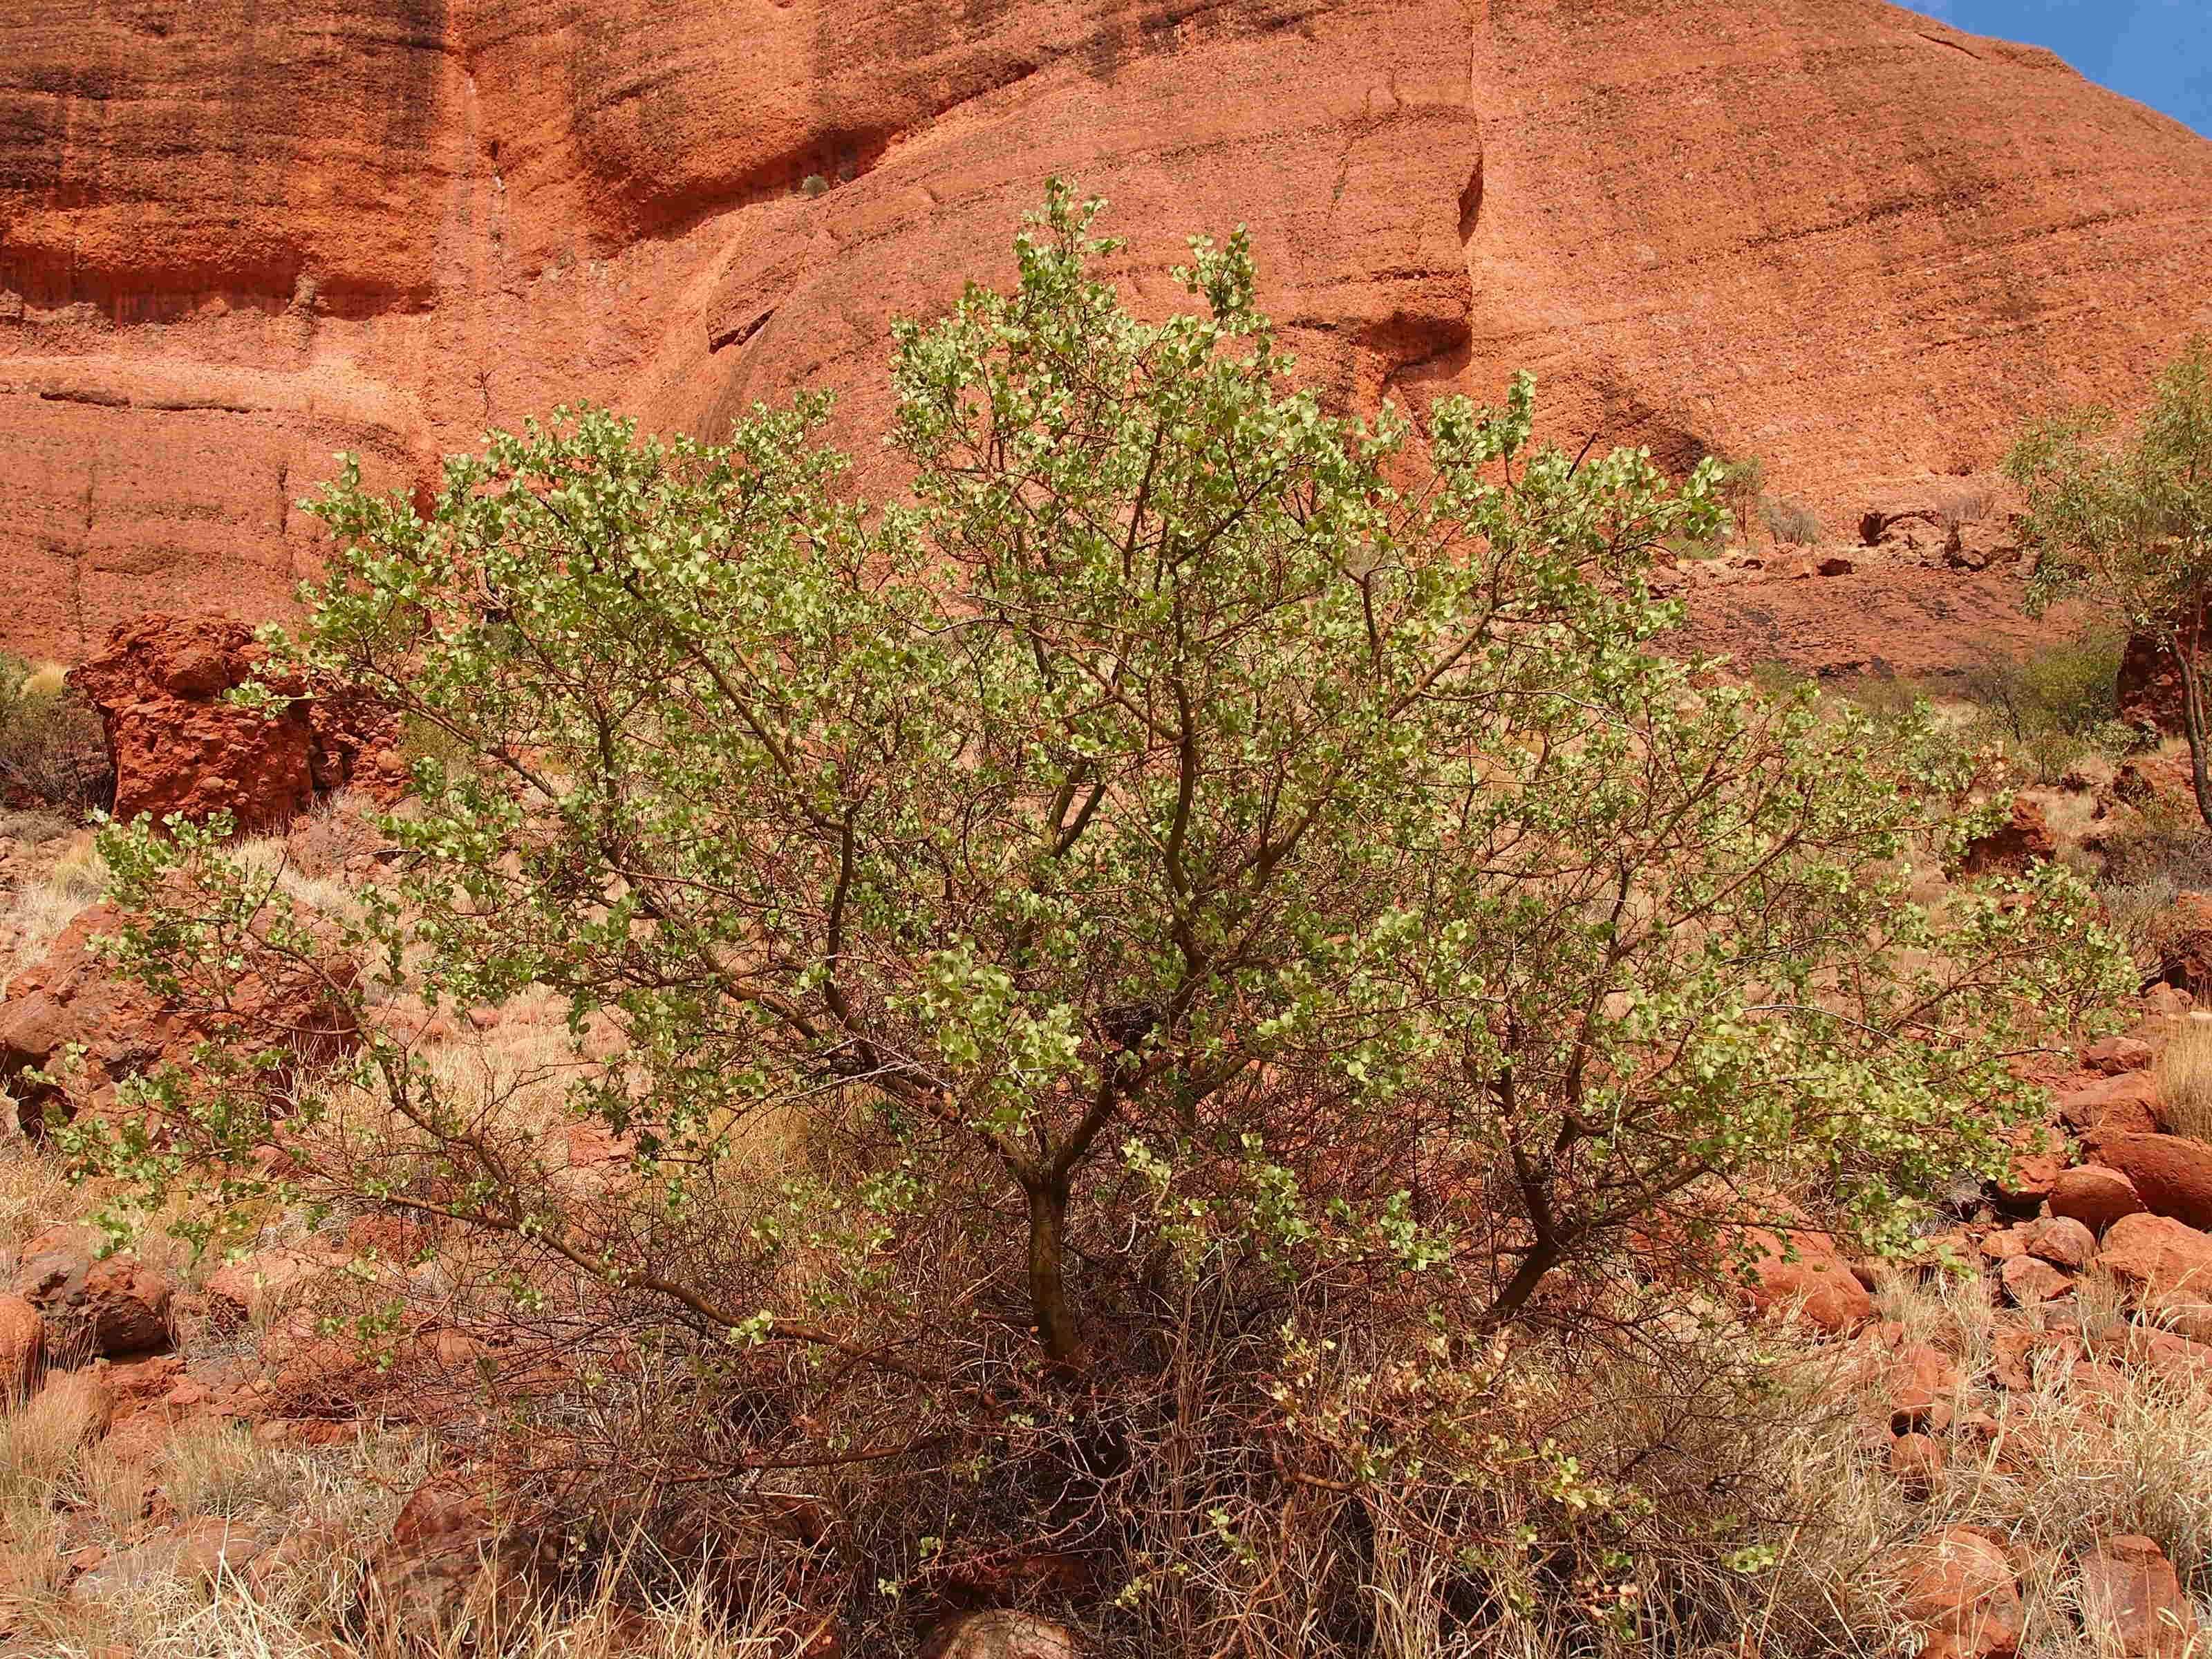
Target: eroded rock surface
1830	231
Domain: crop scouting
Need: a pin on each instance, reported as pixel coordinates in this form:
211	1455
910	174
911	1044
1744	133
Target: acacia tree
1191	821
2128	528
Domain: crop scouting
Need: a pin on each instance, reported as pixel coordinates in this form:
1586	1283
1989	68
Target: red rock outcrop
1829	232
2149	690
178	746
2023	839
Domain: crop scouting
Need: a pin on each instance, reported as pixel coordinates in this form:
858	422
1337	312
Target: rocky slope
234	238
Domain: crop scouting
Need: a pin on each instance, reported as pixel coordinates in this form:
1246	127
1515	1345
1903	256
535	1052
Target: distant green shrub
1742	485
2050	709
1778	678
1790	522
2126	526
813	186
2070	687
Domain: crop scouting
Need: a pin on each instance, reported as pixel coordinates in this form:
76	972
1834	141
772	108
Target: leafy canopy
1191	820
2127	525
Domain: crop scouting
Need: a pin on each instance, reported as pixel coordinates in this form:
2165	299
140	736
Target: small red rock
999	1633
2017	1352
2113	1054
1915	1462
2030	1180
2062	1241
22	1339
240	1290
1922	1389
2169	1000
2172	1355
178	745
2030	1281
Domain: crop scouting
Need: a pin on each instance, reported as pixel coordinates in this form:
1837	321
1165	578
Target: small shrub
1742	486
2069	687
1790	522
813	186
1698	547
2049	709
1161	903
2185	1080
1963	508
1778	678
2164	854
422	738
53	753
1884	696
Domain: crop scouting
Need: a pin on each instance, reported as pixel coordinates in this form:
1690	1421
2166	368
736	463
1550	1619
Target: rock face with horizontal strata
235	237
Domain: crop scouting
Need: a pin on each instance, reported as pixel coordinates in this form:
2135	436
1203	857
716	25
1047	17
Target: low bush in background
1789	521
53	753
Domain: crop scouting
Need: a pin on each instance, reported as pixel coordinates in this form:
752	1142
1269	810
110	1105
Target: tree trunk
2186	656
1056	1319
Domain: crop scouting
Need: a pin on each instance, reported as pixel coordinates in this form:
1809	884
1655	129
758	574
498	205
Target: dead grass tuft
2185	1080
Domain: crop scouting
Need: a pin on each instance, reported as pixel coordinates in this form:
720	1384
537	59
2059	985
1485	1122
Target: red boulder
1807	1277
2171	1173
2123	1104
92	1305
2132	1602
2095	1195
2168	1268
1960	1587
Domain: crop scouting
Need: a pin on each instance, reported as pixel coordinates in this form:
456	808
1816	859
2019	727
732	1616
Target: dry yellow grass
39	910
60	1489
2184	1080
47	680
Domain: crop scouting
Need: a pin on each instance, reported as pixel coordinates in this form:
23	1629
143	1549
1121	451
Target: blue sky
2157	51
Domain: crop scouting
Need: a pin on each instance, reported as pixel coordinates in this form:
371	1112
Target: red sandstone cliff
235	237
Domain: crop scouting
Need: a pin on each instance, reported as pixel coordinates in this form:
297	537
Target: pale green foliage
1195	817
2128	526
1229	889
